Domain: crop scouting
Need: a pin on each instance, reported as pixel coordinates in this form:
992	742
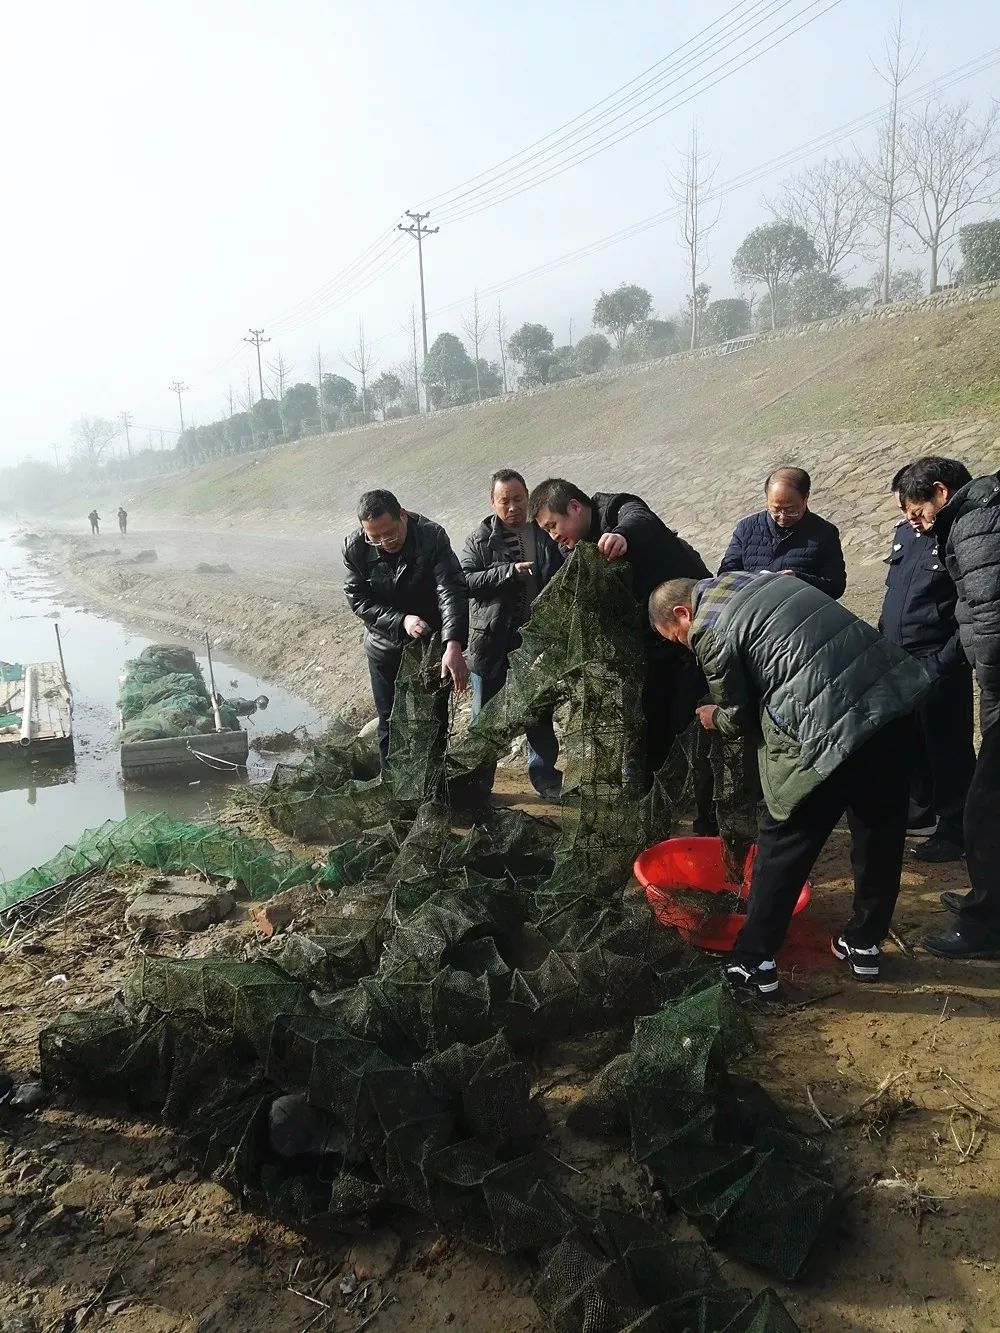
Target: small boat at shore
36	711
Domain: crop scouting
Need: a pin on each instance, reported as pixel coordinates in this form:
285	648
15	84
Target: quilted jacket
811	550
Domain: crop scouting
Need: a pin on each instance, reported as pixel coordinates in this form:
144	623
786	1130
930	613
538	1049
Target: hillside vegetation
694	436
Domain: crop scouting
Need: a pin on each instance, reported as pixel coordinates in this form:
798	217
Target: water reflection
43	806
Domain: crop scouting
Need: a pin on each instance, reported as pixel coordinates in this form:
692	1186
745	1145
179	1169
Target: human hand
612	545
453	665
415	627
787	571
705	714
524	569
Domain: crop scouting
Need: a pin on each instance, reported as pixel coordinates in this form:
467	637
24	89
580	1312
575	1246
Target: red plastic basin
696	863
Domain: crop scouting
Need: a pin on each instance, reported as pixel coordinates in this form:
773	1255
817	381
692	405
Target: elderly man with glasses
404	582
788	538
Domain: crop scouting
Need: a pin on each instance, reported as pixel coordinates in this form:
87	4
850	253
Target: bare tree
952	164
689	190
475	330
830	202
361	362
502	344
282	372
93	436
882	170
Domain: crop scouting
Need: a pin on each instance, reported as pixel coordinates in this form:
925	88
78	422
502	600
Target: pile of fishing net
377	1057
163	694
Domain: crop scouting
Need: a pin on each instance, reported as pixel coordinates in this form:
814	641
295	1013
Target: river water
44	805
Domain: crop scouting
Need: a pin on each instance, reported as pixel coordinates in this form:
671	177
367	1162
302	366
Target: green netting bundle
164	695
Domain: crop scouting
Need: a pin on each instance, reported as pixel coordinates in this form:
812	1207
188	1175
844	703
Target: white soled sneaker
864	962
760	982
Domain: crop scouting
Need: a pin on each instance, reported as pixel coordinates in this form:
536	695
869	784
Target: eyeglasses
380	542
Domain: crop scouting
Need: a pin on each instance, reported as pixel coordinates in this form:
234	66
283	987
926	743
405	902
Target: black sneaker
938	849
954	901
922	830
864	962
760	982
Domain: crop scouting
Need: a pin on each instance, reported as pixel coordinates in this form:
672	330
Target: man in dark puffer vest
829	701
966	523
788	538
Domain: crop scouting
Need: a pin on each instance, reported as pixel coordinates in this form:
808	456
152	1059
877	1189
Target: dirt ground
104	1214
104	1222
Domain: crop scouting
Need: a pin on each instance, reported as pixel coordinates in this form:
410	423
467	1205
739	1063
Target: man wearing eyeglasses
404	581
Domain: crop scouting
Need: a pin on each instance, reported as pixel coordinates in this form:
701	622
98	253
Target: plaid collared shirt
712	596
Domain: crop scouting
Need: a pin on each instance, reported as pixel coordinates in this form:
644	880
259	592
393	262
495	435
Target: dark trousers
982	832
383	673
872	788
675	686
543	747
944	756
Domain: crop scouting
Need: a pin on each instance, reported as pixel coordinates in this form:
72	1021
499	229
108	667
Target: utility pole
416	377
55	450
178	387
319	391
255	339
230	400
126	422
571	332
418	231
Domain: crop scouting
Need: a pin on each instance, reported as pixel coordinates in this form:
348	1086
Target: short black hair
373	504
919	479
555	494
505	474
894	484
796	477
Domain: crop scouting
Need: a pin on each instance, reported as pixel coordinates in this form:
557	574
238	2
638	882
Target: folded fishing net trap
378	1057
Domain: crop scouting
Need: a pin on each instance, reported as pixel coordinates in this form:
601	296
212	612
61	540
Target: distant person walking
95	523
122	520
788	538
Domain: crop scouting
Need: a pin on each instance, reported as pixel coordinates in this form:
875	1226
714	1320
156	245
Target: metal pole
62	662
211	677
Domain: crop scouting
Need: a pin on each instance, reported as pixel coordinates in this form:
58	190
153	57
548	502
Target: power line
787	159
702	85
675	71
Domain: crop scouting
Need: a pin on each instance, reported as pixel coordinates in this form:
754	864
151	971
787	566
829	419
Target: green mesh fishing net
164	695
378	1056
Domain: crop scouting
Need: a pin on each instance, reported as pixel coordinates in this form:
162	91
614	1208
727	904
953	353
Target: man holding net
625	528
405	583
829	702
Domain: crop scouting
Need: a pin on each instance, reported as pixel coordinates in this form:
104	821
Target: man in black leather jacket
624	527
508	560
918	615
404	582
966	523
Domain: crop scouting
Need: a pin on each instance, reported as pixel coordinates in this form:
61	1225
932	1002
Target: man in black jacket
918	615
966	523
404	581
507	562
788	538
624	527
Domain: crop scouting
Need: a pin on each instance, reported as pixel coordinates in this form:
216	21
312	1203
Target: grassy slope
674	431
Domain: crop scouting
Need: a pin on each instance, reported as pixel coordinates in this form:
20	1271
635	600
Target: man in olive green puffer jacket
829	703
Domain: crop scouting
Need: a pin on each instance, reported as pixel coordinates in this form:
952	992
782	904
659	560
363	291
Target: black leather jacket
425	580
655	552
968	533
495	604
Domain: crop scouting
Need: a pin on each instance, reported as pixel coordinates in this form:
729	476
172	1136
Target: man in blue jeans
507	561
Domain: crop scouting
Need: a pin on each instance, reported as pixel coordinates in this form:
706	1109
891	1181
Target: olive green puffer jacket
788	664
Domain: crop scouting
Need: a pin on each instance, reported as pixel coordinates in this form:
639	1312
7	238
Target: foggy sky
179	172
